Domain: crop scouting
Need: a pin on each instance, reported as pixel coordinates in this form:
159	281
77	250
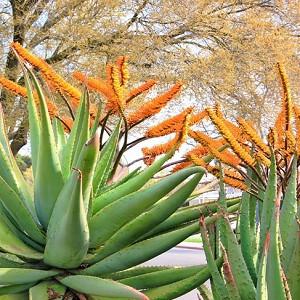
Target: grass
194	239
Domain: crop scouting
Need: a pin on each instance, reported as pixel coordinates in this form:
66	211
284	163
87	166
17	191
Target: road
180	257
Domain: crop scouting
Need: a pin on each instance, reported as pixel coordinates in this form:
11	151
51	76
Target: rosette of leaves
72	234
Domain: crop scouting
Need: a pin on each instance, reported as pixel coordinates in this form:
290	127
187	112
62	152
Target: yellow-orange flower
140	89
255	138
154	106
173	124
68	122
229	137
151	153
181	166
13	87
118	88
198	117
287	105
21	91
49	74
123	70
210	144
95	84
199	151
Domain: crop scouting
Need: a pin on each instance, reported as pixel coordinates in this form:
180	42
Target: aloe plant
261	258
76	234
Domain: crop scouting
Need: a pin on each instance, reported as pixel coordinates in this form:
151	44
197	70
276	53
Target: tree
223	50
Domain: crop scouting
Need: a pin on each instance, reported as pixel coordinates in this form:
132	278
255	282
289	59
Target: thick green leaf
101	287
12	276
229	278
106	159
48	179
130	175
19	212
268	206
212	266
275	284
136	271
237	264
139	252
261	289
14	289
179	288
33	118
83	132
60	137
72	144
21	296
129	186
111	218
293	273
147	220
12	244
246	235
188	214
10	171
205	293
162	277
86	163
288	215
68	229
145	250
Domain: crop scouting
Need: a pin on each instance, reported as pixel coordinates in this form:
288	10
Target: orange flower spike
173	124
260	156
287	104
234	182
52	109
50	75
68	123
94	84
109	70
229	137
181	166
123	70
154	106
198	161
185	129
199	136
160	149
233	174
255	138
239	184
199	150
21	91
280	129
291	142
207	142
13	87
217	109
118	88
140	89
198	117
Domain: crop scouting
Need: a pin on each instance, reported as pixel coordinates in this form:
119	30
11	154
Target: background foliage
222	50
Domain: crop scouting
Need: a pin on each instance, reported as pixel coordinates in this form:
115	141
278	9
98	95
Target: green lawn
194	239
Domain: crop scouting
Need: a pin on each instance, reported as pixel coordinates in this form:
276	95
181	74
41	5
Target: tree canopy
224	51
